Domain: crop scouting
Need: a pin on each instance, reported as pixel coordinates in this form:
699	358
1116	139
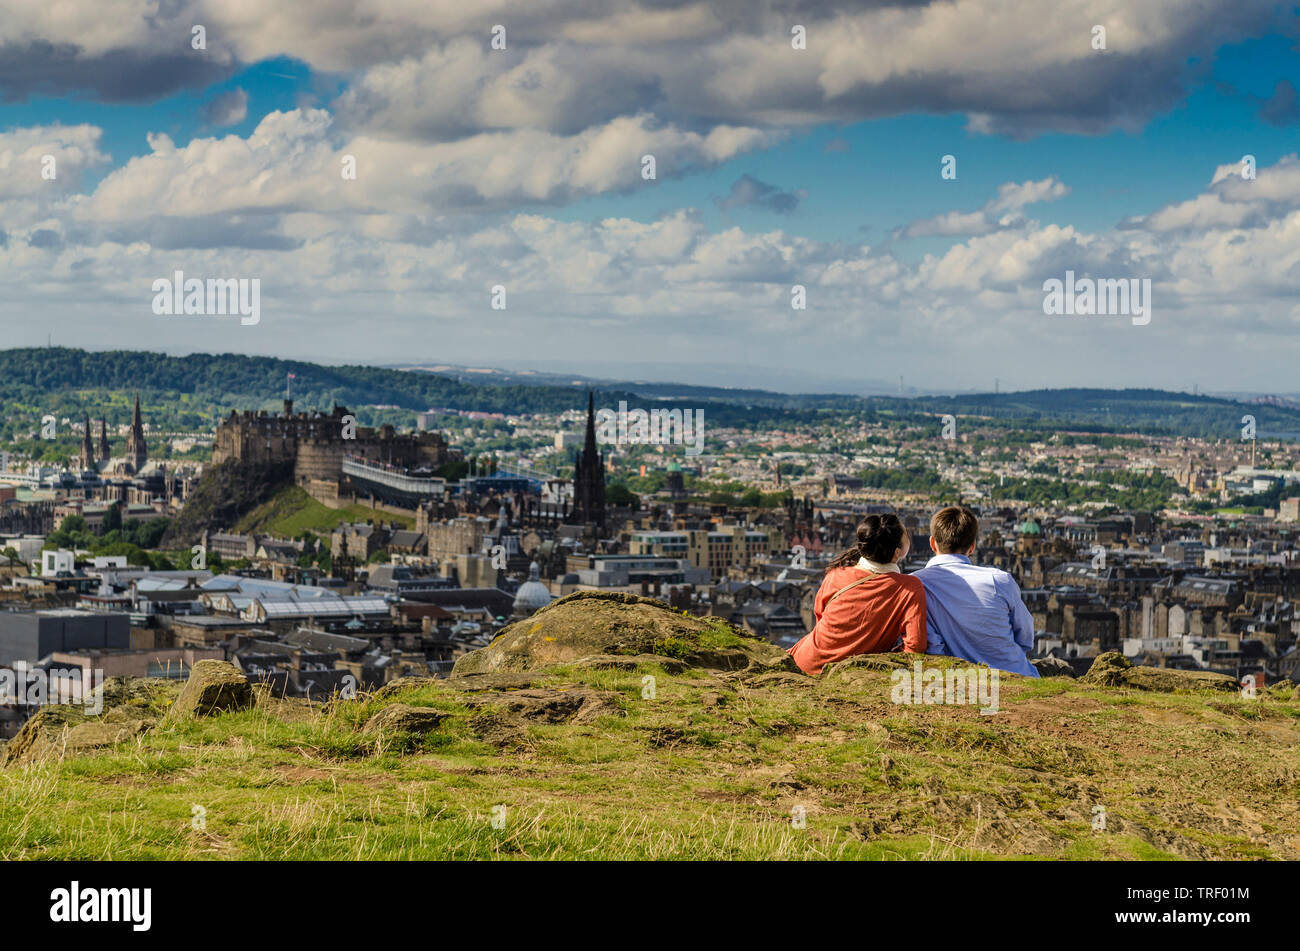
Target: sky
914	174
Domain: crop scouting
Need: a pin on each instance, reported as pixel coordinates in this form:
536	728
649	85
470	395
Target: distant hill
191	392
196	389
1155	412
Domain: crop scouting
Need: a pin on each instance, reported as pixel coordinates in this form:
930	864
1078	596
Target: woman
865	604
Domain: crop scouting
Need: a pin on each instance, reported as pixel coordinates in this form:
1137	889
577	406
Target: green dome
1029	527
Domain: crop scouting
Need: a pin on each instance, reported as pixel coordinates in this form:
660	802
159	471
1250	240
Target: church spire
589	444
87	448
137	452
589	475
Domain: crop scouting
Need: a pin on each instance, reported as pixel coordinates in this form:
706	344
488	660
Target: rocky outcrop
1113	669
866	667
225	493
215	686
52	733
1052	667
567	704
404	718
128	708
590	624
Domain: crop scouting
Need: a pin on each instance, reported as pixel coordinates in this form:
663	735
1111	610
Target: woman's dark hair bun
879	536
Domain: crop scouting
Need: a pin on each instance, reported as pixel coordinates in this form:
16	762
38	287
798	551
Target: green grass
291	511
713	767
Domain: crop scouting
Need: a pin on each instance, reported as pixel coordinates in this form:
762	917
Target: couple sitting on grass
950	607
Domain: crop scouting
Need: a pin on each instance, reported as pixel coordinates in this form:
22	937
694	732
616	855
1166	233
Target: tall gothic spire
137	453
87	448
589	444
589	475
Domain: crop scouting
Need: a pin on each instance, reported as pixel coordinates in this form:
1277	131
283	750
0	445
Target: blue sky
518	167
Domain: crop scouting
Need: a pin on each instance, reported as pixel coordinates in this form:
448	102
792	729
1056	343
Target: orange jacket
867	619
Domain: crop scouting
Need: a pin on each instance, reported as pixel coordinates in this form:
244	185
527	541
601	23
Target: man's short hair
954	530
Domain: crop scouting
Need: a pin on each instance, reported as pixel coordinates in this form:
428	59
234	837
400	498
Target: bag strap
846	588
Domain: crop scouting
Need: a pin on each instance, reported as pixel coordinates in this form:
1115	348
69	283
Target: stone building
357	541
457	536
317	442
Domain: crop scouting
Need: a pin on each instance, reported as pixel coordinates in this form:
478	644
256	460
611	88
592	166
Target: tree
619	494
14	559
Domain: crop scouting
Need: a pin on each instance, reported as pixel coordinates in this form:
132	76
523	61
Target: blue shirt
975	612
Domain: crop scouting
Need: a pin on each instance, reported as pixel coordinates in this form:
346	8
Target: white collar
875	567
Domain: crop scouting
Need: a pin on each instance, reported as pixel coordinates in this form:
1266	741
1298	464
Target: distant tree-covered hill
1154	412
192	392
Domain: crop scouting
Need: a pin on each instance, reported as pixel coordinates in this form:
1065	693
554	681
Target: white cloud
1233	201
25	169
293	162
998	213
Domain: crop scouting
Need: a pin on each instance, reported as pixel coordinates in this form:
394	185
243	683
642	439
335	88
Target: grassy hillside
580	760
263	499
224	495
291	511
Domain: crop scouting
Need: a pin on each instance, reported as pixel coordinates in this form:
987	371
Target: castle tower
137	453
103	440
87	448
589	475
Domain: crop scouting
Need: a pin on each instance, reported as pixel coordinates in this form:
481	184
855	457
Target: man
972	611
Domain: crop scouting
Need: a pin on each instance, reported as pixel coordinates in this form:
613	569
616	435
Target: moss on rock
1113	669
1108	670
591	623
